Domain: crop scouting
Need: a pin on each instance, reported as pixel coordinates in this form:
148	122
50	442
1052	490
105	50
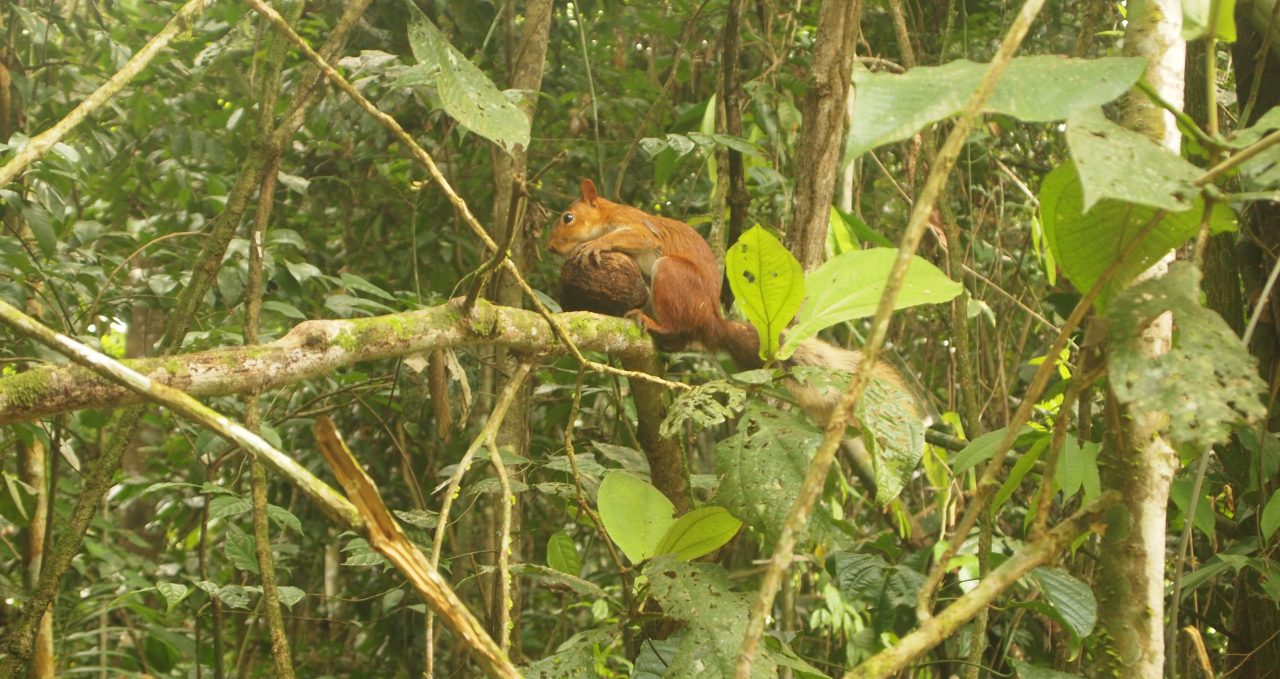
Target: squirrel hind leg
683	303
667	338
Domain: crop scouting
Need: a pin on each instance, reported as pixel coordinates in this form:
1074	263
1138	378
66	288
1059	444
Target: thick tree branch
313	349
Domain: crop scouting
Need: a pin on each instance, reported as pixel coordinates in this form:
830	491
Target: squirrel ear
589	192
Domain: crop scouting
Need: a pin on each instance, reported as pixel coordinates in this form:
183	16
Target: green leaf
978	450
768	283
1195	19
891	107
361	553
871	579
635	514
1086	244
890	426
1180	493
716	618
762	465
1071	598
1205	352
41	225
700	532
359	283
562	554
173	593
585	588
228	505
17	501
706	405
289	595
1019	471
1114	162
465	91
1250	135
1271	516
1078	468
420	518
284	518
849	286
235	596
576	657
239	549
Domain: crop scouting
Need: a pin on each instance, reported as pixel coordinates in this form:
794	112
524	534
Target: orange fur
681	269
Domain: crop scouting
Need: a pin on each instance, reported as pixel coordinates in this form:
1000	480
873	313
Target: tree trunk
817	159
1138	461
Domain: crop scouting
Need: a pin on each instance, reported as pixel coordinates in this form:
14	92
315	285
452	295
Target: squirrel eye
568	217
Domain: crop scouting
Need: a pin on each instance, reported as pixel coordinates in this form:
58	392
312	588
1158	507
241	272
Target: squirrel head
583	221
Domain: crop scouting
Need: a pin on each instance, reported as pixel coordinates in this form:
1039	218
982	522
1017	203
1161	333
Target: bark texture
817	159
1139	463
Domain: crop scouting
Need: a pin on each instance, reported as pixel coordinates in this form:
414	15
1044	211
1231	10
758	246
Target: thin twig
815	477
421	155
484	438
941	627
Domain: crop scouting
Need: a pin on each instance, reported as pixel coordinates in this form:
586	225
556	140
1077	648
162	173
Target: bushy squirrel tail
742	343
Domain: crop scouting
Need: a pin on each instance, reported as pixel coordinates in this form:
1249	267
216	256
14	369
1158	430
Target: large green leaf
768	283
716	617
1071	598
1118	163
849	286
1085	244
465	91
890	107
889	588
891	428
635	514
1207	382
762	465
700	532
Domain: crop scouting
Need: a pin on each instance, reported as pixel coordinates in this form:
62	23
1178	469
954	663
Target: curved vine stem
815	477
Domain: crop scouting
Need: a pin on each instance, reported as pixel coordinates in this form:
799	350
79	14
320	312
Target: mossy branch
314	349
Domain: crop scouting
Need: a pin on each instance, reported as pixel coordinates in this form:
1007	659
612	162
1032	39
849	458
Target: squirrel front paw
591	250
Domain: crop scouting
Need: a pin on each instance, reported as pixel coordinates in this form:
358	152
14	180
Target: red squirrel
684	284
684	280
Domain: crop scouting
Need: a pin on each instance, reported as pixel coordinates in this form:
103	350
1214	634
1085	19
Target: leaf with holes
1204	352
699	595
1087	243
762	465
465	91
768	283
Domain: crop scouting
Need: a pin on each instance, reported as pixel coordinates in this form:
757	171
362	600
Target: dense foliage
1051	199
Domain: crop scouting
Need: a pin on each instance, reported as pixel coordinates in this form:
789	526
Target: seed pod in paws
612	286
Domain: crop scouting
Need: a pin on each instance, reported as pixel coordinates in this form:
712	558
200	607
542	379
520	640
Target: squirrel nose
558	246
